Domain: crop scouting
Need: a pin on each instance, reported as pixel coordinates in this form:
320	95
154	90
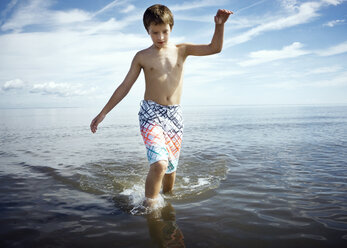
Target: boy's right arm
119	93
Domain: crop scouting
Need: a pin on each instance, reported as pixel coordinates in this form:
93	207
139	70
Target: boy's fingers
94	129
94	125
225	11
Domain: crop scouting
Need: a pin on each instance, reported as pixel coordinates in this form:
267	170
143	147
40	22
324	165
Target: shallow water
271	176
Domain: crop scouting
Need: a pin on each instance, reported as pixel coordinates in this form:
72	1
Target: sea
248	176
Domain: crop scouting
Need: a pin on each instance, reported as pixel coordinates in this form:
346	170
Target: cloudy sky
62	53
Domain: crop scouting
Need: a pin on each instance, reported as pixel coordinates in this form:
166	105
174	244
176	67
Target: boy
160	114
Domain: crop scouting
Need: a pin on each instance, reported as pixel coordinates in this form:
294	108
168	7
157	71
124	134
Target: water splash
132	200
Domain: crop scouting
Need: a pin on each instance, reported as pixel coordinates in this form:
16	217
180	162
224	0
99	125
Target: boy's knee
159	167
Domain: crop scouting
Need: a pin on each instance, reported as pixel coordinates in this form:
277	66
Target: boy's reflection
163	228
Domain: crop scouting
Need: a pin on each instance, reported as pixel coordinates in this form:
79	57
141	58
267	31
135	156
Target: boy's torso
163	71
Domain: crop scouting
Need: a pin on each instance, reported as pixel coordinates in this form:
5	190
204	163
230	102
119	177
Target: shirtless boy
160	114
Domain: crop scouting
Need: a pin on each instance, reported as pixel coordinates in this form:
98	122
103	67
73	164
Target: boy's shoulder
144	52
142	56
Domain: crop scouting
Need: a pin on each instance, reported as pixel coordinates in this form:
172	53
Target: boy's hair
158	14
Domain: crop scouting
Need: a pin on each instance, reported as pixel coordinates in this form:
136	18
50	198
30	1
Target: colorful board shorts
162	129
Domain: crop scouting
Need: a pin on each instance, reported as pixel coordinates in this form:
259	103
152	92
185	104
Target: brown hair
157	14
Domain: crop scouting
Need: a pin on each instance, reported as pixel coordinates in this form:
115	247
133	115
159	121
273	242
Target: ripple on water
197	176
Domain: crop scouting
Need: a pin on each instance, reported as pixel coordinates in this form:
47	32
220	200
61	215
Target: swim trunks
161	129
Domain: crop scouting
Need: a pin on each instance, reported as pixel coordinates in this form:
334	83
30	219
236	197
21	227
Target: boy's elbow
216	49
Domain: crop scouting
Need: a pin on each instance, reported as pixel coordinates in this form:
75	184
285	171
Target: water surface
256	176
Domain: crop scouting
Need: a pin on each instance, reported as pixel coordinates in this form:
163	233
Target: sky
63	53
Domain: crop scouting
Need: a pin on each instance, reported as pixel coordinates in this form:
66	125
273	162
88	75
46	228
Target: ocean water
249	176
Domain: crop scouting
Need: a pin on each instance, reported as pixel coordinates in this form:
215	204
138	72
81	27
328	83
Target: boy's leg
154	179
168	182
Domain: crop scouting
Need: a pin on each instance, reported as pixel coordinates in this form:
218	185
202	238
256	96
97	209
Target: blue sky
75	53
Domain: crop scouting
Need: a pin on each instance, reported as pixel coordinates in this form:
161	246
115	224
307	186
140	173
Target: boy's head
157	14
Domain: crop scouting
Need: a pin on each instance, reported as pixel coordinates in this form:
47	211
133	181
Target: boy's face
159	34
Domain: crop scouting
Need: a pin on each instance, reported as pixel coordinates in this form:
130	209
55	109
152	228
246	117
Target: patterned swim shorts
162	129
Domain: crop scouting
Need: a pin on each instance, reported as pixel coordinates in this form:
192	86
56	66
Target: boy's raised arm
217	40
119	93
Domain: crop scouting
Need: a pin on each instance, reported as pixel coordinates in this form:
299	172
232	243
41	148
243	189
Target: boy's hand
222	16
95	122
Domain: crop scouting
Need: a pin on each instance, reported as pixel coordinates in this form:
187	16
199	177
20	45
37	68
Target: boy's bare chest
163	64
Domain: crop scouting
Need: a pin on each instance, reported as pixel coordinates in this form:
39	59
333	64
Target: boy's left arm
217	41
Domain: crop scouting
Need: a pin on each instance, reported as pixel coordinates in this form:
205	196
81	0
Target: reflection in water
163	229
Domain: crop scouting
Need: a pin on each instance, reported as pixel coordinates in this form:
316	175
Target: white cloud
60	89
38	12
326	69
246	22
202	18
334	50
8	8
68	56
333	2
47	88
128	9
14	84
34	12
249	6
292	51
290	5
333	23
108	26
336	81
287	85
70	16
263	56
189	5
303	13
